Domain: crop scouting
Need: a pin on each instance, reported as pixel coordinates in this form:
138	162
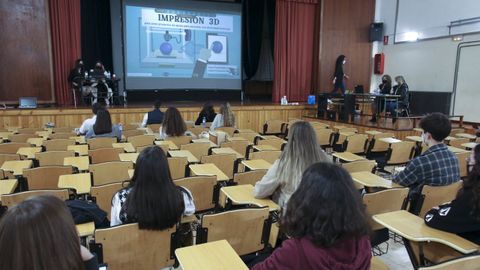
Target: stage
252	115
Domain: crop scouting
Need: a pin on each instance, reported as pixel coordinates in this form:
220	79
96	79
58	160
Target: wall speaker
376	32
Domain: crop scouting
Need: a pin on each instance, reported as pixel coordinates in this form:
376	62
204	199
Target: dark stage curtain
253	11
294	49
253	18
96	33
65	35
271	23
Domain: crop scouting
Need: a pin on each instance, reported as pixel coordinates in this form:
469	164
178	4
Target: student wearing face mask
338	77
437	166
400	89
385	88
462	215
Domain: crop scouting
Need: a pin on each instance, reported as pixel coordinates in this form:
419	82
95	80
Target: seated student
39	233
88	123
153	117
173	125
326	223
462	215
283	178
208	112
401	89
151	199
437	166
225	118
378	105
103	127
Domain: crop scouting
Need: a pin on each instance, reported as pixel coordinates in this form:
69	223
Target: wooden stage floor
252	115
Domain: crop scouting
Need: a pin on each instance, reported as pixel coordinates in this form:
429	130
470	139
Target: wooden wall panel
248	117
344	29
25	57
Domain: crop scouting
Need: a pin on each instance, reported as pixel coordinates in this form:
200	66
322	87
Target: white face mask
425	138
344	61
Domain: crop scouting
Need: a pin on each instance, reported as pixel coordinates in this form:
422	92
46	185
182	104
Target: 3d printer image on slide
182	44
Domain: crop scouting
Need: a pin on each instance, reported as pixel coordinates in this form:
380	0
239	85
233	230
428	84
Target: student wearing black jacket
462	215
402	90
208	112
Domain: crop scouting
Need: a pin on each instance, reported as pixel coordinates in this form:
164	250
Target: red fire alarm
379	62
385	40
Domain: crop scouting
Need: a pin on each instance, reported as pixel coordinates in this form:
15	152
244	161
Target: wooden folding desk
80	149
470	145
371	180
128	157
390	140
456	150
184	153
416	139
81	163
79	139
208	169
347	156
8	186
81	182
45	134
4	135
270	137
218	255
243	194
171	145
238	138
413	228
265	147
127	147
35	141
16	166
256	164
29	152
85	229
203	140
372	133
227	150
466	135
246	131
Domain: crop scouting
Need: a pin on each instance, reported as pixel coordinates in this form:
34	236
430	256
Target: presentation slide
178	48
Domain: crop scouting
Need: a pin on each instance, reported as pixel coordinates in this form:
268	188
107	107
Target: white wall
430	65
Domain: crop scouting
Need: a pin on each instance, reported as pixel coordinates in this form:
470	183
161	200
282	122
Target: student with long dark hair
208	112
462	215
103	127
151	199
173	125
39	233
326	222
339	76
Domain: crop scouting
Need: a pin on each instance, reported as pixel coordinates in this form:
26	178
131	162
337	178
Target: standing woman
103	127
151	199
462	215
283	178
225	118
39	233
327	225
338	77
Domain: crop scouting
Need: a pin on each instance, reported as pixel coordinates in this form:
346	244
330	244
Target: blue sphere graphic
217	47
166	48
